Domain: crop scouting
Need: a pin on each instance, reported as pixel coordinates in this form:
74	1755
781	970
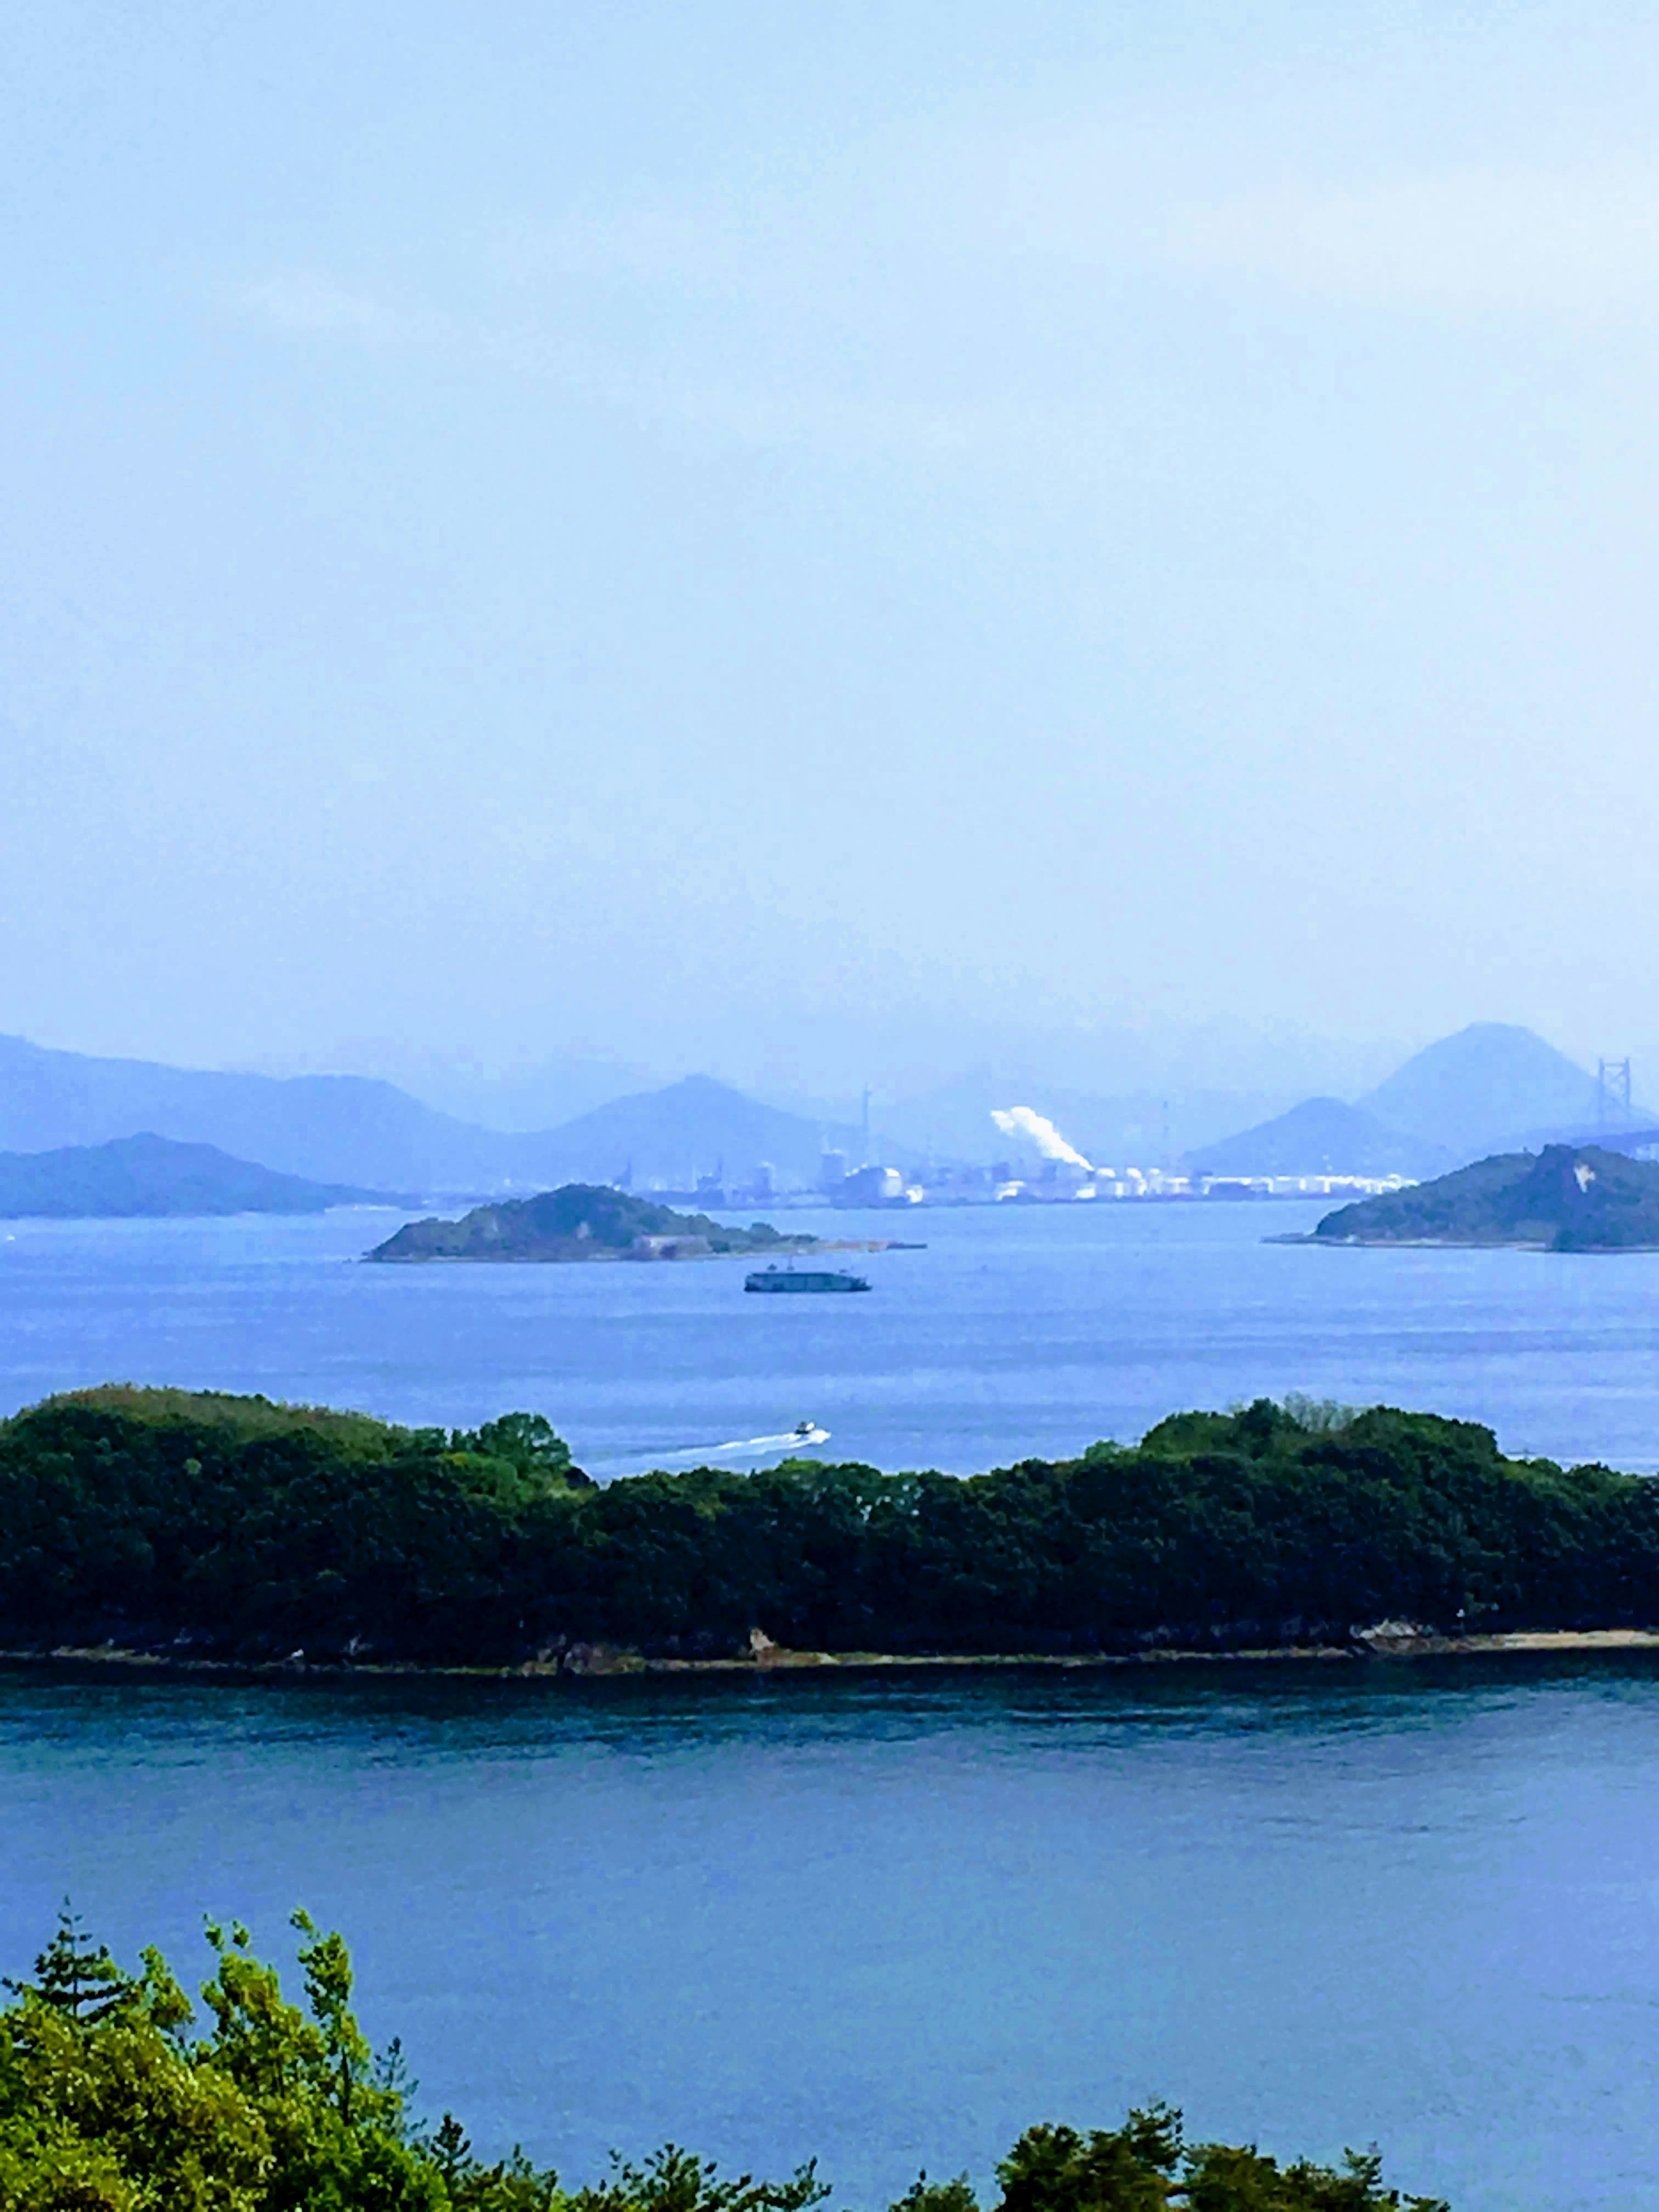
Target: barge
802	1279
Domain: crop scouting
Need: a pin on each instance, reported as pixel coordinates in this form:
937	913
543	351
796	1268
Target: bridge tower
1612	1093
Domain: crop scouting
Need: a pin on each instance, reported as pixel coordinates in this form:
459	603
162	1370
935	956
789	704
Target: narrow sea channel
889	1924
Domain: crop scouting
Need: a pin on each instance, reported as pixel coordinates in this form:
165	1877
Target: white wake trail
813	1436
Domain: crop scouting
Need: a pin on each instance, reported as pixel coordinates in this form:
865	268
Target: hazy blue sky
621	526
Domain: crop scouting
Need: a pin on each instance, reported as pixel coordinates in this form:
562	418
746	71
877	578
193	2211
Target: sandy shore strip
587	1661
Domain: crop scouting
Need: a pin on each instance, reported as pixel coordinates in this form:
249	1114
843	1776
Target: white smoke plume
1038	1130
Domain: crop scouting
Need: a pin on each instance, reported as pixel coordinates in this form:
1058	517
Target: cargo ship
802	1278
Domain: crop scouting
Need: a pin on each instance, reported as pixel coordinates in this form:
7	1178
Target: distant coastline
1455	1244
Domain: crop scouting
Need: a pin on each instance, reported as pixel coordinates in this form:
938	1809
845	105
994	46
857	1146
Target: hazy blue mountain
359	1130
536	1095
692	1127
1323	1136
149	1174
334	1129
1482	1090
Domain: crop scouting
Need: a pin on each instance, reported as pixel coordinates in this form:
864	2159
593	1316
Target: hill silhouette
1322	1136
1483	1090
151	1176
336	1128
359	1130
1567	1198
693	1126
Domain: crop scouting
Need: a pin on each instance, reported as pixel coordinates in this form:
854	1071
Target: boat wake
805	1433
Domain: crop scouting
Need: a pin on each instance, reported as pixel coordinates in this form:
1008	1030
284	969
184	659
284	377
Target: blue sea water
1017	1331
891	1922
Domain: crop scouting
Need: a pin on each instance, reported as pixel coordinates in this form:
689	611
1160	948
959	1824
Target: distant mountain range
334	1129
1492	1088
534	1096
151	1176
1323	1136
356	1130
696	1126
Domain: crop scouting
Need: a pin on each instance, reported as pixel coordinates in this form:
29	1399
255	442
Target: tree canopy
1569	1198
235	1527
578	1221
115	2096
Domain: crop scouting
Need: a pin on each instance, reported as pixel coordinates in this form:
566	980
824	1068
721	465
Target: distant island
148	1176
581	1221
1568	1198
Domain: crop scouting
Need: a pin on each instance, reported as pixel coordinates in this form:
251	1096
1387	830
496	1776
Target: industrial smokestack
1038	1130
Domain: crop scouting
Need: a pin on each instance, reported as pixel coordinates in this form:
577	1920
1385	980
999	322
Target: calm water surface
891	1925
1019	1330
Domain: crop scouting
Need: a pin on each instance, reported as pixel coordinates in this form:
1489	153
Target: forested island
581	1221
233	1530
1568	1198
117	2096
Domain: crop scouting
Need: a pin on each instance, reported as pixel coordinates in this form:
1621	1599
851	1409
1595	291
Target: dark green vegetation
151	1176
234	1528
1567	1198
109	2102
580	1221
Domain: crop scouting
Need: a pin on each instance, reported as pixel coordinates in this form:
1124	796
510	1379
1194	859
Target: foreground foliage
234	1525
110	2103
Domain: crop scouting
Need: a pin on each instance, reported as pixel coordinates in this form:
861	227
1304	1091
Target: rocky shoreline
588	1661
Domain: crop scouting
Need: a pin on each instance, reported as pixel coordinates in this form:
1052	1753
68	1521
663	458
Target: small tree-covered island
117	2095
1568	1198
200	1530
582	1221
